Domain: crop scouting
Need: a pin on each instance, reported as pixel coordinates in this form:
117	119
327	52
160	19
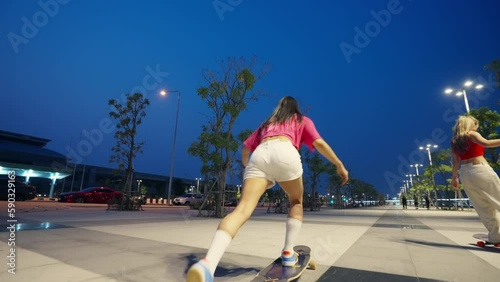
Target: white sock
219	244
292	231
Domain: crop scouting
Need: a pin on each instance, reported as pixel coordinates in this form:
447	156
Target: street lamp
416	167
428	148
462	91
406	185
172	158
198	184
411	179
139	181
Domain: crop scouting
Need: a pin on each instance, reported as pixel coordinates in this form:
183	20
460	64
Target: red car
90	195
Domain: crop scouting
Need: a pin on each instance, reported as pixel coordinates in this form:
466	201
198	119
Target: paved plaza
80	242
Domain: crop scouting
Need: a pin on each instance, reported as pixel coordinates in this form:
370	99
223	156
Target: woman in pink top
274	157
479	180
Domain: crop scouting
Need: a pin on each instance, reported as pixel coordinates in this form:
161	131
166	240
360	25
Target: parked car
90	195
186	199
21	190
196	201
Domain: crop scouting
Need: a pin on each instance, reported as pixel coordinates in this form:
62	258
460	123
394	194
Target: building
25	157
52	173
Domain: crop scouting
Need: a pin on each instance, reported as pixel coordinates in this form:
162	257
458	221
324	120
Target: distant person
416	202
479	180
275	157
427	202
405	203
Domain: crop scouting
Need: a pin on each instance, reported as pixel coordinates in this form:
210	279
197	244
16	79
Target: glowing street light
416	167
428	148
461	91
172	158
139	181
411	178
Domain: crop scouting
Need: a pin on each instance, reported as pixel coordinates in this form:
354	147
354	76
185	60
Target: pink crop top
299	133
474	150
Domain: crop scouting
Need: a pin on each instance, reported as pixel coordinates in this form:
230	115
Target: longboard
483	240
276	272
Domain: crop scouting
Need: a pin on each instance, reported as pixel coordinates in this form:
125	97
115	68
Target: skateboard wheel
312	265
497	245
480	244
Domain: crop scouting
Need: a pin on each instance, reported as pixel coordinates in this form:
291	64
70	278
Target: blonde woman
274	158
479	180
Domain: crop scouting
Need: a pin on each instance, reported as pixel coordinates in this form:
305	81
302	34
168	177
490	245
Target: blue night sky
375	102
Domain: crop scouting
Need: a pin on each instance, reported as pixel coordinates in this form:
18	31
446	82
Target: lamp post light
411	178
462	91
416	167
172	158
406	185
139	181
198	184
428	148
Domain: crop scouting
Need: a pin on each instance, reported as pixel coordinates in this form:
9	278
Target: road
83	242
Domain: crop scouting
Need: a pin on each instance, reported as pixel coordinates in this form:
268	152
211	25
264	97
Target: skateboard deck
483	240
276	272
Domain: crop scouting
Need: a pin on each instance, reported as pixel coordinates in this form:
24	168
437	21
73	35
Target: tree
494	67
361	191
489	121
441	166
129	116
237	168
227	93
334	184
316	166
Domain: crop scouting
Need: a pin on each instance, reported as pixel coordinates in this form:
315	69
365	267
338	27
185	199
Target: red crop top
474	150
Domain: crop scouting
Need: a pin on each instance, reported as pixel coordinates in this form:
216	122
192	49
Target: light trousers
482	185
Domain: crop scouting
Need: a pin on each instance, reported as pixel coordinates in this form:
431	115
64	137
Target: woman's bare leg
253	188
295	191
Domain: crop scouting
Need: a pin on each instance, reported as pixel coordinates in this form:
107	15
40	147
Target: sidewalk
363	244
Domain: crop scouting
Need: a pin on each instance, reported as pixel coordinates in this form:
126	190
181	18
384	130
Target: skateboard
276	272
483	240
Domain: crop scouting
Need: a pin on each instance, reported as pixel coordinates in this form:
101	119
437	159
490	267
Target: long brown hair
460	141
286	110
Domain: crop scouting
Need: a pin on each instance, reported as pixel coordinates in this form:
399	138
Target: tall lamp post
139	182
428	148
406	185
172	158
461	91
411	178
198	184
416	167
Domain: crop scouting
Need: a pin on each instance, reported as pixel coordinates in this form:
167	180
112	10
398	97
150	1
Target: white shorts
274	160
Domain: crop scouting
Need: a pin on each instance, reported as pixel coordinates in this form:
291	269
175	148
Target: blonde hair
460	141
